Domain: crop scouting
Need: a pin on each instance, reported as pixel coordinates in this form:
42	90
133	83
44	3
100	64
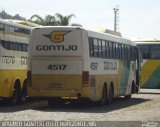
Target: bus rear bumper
64	94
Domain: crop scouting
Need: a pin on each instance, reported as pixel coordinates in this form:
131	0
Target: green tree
49	20
63	20
57	20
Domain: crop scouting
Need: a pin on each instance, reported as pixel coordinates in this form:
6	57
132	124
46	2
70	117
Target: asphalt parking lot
141	108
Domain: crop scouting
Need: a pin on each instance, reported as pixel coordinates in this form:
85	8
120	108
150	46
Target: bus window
123	52
127	52
120	50
110	50
107	49
25	47
100	48
19	46
103	49
114	50
117	51
91	49
144	50
5	44
155	52
1	27
96	48
130	51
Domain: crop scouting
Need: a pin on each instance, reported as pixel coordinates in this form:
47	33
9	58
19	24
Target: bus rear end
56	63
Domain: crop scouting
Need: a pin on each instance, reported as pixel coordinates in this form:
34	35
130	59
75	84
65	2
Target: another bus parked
150	72
76	63
13	61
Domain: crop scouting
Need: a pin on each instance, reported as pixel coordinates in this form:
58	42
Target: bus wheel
132	91
110	97
128	96
133	88
16	95
24	93
104	96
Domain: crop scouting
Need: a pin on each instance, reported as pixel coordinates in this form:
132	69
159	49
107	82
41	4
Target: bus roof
27	23
109	36
16	23
147	42
104	30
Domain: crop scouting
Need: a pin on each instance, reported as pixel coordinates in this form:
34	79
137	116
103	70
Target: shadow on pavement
118	103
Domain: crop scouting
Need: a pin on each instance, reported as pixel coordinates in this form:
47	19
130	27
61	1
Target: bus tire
110	96
24	93
133	89
16	96
128	96
103	100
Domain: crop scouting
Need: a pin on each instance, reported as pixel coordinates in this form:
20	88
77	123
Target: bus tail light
85	78
29	78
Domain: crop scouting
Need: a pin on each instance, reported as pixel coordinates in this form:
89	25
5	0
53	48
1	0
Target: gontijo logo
57	36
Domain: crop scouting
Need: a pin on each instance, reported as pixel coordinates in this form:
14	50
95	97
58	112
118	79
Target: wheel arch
105	86
24	84
112	85
15	84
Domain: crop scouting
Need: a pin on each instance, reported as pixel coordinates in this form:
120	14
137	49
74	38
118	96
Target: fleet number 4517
56	67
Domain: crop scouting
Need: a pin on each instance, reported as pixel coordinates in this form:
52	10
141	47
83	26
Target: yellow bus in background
13	60
76	63
150	71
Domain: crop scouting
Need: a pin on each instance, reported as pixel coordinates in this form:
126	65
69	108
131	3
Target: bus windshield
150	51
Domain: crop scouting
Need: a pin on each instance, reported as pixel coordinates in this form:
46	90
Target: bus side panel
127	76
12	67
8	78
150	74
103	71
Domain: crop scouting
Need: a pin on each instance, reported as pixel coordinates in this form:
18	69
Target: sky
138	19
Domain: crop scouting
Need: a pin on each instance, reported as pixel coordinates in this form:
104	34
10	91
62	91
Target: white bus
75	63
13	60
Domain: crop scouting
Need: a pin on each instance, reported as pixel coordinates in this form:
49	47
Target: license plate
55	85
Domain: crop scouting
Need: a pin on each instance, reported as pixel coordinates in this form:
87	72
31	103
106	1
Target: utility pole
116	18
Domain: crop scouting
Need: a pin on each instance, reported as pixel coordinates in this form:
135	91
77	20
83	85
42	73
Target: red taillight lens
85	78
29	78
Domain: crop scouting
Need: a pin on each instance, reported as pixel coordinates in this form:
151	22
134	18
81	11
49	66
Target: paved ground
142	107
